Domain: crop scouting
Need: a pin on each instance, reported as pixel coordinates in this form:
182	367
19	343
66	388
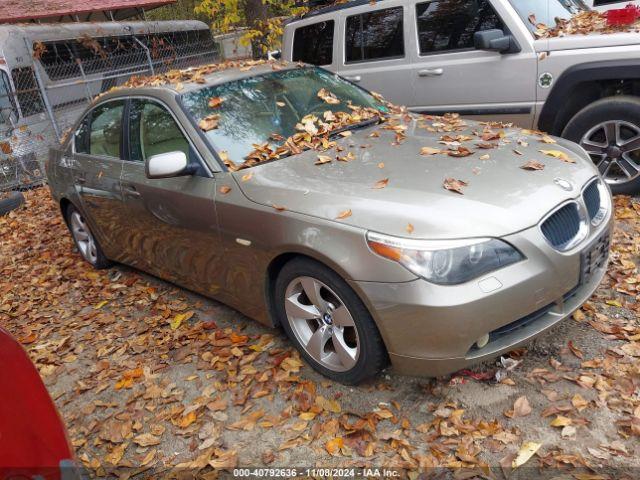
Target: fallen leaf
521	407
429	151
560	421
224	189
322	159
334	445
558	154
179	318
527	450
146	440
533	165
575	350
215	102
409	228
454	185
381	183
344	214
210	122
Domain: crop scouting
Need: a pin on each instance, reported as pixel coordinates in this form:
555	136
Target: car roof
334	8
195	78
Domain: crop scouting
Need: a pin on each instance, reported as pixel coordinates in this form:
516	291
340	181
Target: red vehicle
33	439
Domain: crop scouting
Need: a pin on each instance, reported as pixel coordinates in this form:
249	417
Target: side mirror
167	165
494	40
274	55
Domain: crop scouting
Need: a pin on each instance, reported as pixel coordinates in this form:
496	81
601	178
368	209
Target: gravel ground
150	378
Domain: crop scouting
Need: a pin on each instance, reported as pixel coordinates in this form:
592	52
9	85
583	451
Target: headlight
446	262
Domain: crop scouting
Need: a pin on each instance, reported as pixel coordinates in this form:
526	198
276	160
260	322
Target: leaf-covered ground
149	377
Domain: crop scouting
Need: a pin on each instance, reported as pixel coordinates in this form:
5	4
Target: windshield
270	108
546	11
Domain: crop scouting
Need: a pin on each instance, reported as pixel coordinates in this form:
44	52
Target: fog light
482	341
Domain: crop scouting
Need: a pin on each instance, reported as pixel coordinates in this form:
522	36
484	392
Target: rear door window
314	43
106	129
375	35
449	25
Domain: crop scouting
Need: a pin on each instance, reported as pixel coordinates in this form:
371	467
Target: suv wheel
327	322
609	130
84	239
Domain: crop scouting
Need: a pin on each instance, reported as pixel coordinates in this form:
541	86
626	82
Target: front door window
154	131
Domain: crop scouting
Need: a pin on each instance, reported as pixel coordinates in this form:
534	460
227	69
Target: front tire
85	241
609	130
327	322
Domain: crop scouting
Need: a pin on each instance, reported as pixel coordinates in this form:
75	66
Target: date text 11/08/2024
316	472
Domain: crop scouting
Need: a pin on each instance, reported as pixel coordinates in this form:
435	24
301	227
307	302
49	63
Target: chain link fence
66	76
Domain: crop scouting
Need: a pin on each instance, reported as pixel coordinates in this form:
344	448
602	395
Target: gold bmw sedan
367	233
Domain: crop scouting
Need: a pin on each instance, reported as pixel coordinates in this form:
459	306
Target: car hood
571	42
501	197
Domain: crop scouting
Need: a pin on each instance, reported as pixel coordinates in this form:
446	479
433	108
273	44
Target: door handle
356	78
130	191
431	72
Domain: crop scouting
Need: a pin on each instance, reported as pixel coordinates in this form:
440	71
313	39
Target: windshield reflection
546	11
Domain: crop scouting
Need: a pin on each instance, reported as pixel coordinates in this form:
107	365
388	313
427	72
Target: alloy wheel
83	237
322	324
614	146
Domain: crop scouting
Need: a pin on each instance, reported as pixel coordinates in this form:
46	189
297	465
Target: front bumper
431	330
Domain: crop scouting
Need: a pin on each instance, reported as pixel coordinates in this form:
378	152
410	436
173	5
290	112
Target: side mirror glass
167	165
493	40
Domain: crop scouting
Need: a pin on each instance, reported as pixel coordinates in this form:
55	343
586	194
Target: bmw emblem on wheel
563	184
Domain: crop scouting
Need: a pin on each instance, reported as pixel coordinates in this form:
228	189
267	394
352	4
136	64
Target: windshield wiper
357	126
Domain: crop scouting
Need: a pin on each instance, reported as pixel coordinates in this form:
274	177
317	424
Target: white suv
482	58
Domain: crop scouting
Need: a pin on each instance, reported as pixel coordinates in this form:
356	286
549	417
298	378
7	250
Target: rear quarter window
314	43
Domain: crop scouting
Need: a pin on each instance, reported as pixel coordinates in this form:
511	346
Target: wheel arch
281	259
582	84
64	205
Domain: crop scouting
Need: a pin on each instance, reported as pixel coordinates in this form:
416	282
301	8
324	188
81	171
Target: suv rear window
375	36
445	25
314	43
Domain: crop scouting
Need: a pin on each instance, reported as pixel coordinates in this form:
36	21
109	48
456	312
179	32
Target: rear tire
13	201
609	130
331	327
84	239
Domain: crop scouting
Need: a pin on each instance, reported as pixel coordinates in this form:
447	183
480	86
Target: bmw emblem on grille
563	184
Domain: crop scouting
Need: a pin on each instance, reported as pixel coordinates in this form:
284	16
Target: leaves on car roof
454	185
381	184
344	214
